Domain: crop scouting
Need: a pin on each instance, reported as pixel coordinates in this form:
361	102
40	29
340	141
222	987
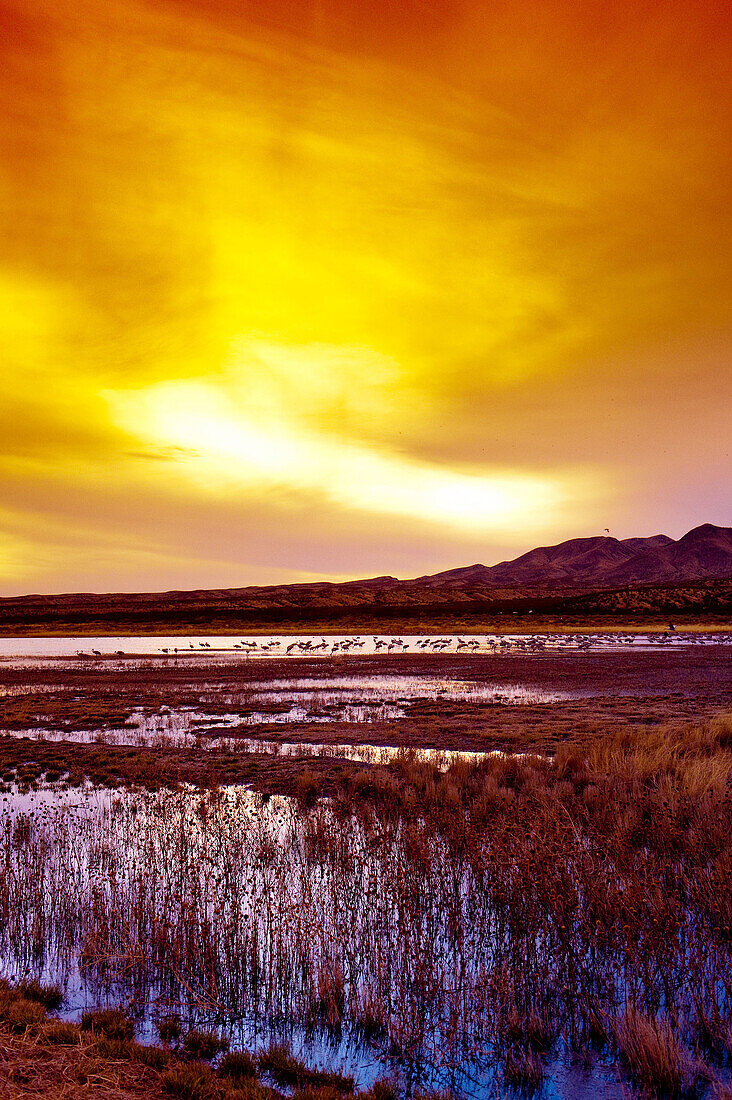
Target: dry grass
652	1053
61	1061
447	915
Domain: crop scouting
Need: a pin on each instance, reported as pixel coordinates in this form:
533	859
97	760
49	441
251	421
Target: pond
374	943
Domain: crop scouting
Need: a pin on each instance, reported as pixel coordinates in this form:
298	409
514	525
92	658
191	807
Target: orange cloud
439	251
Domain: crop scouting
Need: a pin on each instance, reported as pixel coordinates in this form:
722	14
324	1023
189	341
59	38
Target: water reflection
266	920
349	700
233	647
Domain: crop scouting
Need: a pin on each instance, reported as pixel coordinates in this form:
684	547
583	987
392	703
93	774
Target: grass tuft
204	1044
652	1054
238	1065
113	1023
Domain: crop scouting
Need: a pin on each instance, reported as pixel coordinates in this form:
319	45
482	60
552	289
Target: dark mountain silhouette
600	562
583	576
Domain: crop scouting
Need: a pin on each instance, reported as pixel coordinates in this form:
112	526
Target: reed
472	917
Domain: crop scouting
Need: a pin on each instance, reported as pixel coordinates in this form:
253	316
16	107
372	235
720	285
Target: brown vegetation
488	914
63	1061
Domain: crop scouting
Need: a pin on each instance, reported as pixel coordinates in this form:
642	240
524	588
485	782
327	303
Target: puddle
363	753
291	702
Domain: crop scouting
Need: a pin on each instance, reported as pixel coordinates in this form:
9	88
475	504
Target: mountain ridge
597	563
704	553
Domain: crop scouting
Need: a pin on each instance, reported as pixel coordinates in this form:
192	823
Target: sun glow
222	440
356	286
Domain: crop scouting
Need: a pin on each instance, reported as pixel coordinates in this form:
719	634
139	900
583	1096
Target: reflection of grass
54	1059
506	910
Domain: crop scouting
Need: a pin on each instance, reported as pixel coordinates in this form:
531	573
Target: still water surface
237	647
260	903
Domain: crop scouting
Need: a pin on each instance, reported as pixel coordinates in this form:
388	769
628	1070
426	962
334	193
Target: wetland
477	873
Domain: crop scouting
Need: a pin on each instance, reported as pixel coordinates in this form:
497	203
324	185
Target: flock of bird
533	643
527	644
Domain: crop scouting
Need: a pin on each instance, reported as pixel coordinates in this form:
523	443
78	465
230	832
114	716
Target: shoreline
506	625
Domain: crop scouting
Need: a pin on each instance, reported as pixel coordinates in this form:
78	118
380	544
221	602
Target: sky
342	288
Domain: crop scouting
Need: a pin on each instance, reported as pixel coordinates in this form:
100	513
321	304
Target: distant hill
577	577
705	553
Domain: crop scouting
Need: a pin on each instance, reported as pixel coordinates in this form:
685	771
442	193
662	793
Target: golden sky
333	288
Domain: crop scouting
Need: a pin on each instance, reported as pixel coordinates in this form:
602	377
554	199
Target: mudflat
210	720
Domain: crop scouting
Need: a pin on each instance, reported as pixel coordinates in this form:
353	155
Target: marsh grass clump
50	996
117	1050
530	1030
328	999
382	1089
286	1070
307	788
239	1065
522	1068
189	1082
652	1054
169	1028
60	1033
22	1014
371	1016
112	1023
204	1044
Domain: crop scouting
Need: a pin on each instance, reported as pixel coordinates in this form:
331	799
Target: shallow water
268	907
361	753
174	647
350	700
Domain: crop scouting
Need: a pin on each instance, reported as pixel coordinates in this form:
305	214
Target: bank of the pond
49	1059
